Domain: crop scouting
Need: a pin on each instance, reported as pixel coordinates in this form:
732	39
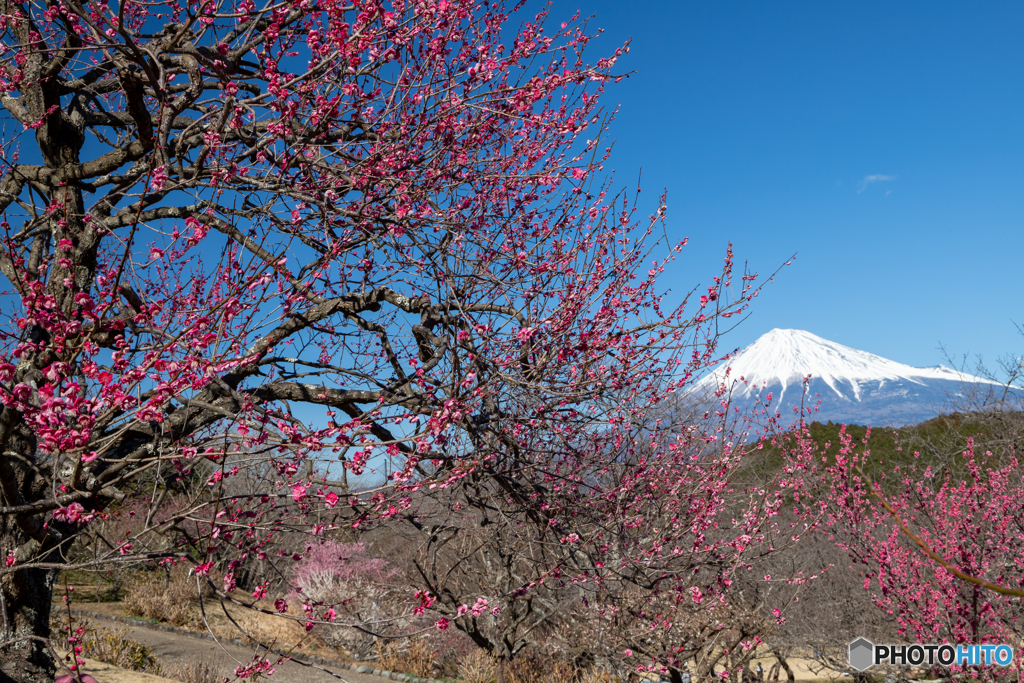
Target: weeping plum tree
261	235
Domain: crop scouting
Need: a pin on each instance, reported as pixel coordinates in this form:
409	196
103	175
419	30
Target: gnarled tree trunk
27	592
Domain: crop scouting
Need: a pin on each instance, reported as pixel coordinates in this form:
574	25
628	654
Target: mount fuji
853	386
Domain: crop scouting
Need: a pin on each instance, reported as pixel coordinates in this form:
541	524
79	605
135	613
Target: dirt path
171	648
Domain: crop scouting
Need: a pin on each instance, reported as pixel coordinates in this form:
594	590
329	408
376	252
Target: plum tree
257	235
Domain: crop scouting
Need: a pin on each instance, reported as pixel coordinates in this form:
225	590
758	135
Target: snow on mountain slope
849	381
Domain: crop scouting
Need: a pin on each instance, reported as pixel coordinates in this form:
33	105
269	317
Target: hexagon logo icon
862	654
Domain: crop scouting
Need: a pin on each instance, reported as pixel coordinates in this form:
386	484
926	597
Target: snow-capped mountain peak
780	360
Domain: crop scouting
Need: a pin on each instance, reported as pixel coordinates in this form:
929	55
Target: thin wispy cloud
877	178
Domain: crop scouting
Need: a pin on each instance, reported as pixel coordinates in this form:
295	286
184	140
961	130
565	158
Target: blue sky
882	142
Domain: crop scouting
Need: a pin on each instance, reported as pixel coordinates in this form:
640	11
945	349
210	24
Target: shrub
477	667
534	667
115	647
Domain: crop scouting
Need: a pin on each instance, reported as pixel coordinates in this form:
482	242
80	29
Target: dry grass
268	628
257	627
596	676
480	667
477	667
542	670
262	628
193	671
171	601
415	657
